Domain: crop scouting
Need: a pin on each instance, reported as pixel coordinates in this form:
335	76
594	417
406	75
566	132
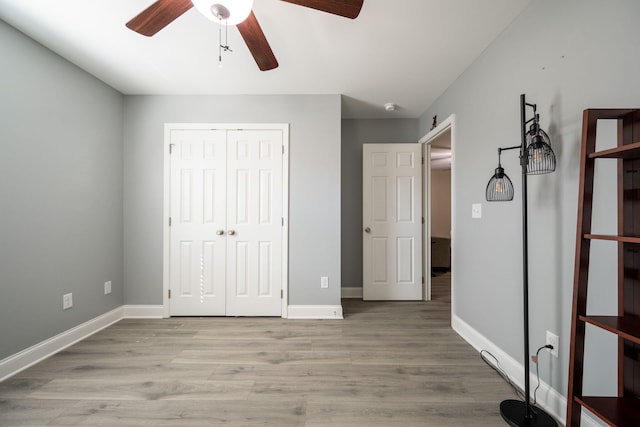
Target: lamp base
513	412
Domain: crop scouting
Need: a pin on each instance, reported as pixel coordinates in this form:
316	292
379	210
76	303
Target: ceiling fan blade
346	8
158	15
257	43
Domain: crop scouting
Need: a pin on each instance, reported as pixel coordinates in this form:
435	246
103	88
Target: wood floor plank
17	388
141	389
372	391
31	412
184	413
219	357
98	371
249	345
398	414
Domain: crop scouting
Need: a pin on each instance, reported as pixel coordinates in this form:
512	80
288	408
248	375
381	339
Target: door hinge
169	221
282	221
281	293
423	280
423	220
171	148
169	293
423	160
283	149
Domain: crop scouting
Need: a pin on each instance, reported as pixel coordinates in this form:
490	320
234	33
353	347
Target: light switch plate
476	210
67	301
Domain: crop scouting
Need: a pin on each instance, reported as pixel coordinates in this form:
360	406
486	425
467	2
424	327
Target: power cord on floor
535	360
504	375
496	367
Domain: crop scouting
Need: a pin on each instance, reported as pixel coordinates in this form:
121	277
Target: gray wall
354	134
314	191
441	203
61	192
566	56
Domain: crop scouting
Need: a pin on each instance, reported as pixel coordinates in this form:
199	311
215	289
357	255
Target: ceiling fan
236	12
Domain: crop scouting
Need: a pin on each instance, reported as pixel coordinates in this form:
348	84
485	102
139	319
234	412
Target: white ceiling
402	51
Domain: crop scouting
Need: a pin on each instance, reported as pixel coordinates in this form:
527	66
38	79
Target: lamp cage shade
500	187
540	156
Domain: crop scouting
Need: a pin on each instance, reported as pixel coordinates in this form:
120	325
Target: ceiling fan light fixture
233	11
390	106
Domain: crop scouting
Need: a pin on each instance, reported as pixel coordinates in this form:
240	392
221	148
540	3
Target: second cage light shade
500	187
540	156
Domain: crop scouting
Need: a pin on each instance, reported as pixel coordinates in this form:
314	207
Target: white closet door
198	221
254	223
392	222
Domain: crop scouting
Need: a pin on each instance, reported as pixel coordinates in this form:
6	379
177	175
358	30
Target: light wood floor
385	364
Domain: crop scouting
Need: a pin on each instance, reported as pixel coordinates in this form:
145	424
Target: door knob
220	232
231	232
367	230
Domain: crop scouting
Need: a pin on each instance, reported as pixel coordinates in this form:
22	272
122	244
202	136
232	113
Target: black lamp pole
516	412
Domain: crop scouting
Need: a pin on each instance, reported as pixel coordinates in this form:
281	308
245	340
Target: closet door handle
220	232
367	230
231	232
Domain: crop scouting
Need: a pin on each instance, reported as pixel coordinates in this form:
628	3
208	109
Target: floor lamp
536	157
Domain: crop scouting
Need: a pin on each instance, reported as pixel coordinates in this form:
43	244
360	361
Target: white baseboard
34	354
314	312
547	397
352	292
143	311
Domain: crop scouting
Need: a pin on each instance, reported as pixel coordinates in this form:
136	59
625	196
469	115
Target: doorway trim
168	127
426	140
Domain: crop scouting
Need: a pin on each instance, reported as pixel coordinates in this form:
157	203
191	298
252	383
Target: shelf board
629	151
624	239
615	411
627	327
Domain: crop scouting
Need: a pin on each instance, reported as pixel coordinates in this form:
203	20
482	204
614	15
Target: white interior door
226	228
392	222
198	221
254	212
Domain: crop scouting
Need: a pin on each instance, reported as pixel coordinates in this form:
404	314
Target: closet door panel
198	212
254	215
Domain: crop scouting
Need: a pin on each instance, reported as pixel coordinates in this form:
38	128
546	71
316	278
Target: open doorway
438	209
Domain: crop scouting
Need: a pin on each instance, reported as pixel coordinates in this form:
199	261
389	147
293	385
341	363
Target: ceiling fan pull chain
220	44
224	46
226	37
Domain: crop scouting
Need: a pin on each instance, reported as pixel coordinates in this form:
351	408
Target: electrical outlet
552	339
324	282
107	287
67	301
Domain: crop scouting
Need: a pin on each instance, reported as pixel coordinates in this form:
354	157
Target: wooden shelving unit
623	410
